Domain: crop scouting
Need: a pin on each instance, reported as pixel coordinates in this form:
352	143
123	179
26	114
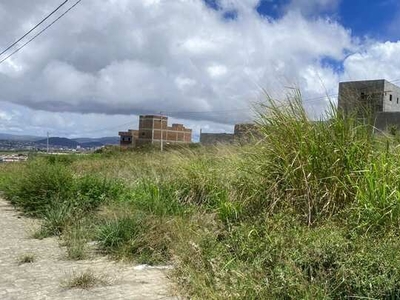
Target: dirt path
45	277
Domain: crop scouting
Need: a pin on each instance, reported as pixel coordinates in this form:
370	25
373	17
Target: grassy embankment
311	212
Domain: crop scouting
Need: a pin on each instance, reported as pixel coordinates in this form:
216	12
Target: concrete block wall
360	96
246	132
243	133
216	138
382	96
391	97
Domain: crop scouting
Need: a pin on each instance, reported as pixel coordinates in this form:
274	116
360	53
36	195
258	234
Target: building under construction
243	133
154	130
377	99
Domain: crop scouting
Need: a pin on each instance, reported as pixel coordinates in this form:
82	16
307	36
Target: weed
75	239
161	199
26	259
40	185
85	280
144	238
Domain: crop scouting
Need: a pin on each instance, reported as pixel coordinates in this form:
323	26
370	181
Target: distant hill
60	142
83	142
103	141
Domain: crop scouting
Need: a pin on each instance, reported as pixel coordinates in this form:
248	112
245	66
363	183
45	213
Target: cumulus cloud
25	121
378	60
130	56
114	59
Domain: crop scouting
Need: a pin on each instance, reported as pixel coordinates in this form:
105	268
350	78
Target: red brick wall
150	128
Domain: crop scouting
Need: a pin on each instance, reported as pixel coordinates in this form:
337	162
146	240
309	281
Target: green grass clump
158	198
144	238
76	237
311	166
38	186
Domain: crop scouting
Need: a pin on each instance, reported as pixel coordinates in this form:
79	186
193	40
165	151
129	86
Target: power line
43	30
33	28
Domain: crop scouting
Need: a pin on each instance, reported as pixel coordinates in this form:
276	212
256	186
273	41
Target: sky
204	63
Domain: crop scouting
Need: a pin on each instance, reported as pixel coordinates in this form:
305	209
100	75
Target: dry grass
26	259
85	280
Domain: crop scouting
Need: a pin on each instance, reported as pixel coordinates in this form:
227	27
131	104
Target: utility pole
152	131
48	148
161	144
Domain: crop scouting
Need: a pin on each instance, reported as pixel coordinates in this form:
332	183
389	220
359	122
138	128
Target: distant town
16	143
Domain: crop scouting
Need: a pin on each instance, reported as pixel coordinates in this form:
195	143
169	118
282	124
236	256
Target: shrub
92	191
60	159
157	198
39	186
138	237
281	258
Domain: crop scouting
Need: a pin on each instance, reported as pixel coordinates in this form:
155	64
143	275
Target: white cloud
109	60
378	60
217	70
126	57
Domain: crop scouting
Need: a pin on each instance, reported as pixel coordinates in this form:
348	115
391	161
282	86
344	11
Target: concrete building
216	138
243	133
155	130
380	99
377	95
246	132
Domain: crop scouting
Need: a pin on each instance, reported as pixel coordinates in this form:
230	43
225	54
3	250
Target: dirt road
49	273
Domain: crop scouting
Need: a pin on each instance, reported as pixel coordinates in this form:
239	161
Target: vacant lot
310	212
39	269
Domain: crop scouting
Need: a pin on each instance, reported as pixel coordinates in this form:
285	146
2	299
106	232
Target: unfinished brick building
155	130
128	138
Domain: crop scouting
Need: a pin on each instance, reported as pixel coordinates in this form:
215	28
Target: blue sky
366	18
375	18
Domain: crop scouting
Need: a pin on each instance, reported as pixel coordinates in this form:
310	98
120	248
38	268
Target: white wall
394	104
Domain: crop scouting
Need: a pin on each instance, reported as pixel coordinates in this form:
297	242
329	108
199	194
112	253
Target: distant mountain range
62	142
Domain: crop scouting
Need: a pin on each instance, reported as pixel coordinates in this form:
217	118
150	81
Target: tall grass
310	211
312	166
